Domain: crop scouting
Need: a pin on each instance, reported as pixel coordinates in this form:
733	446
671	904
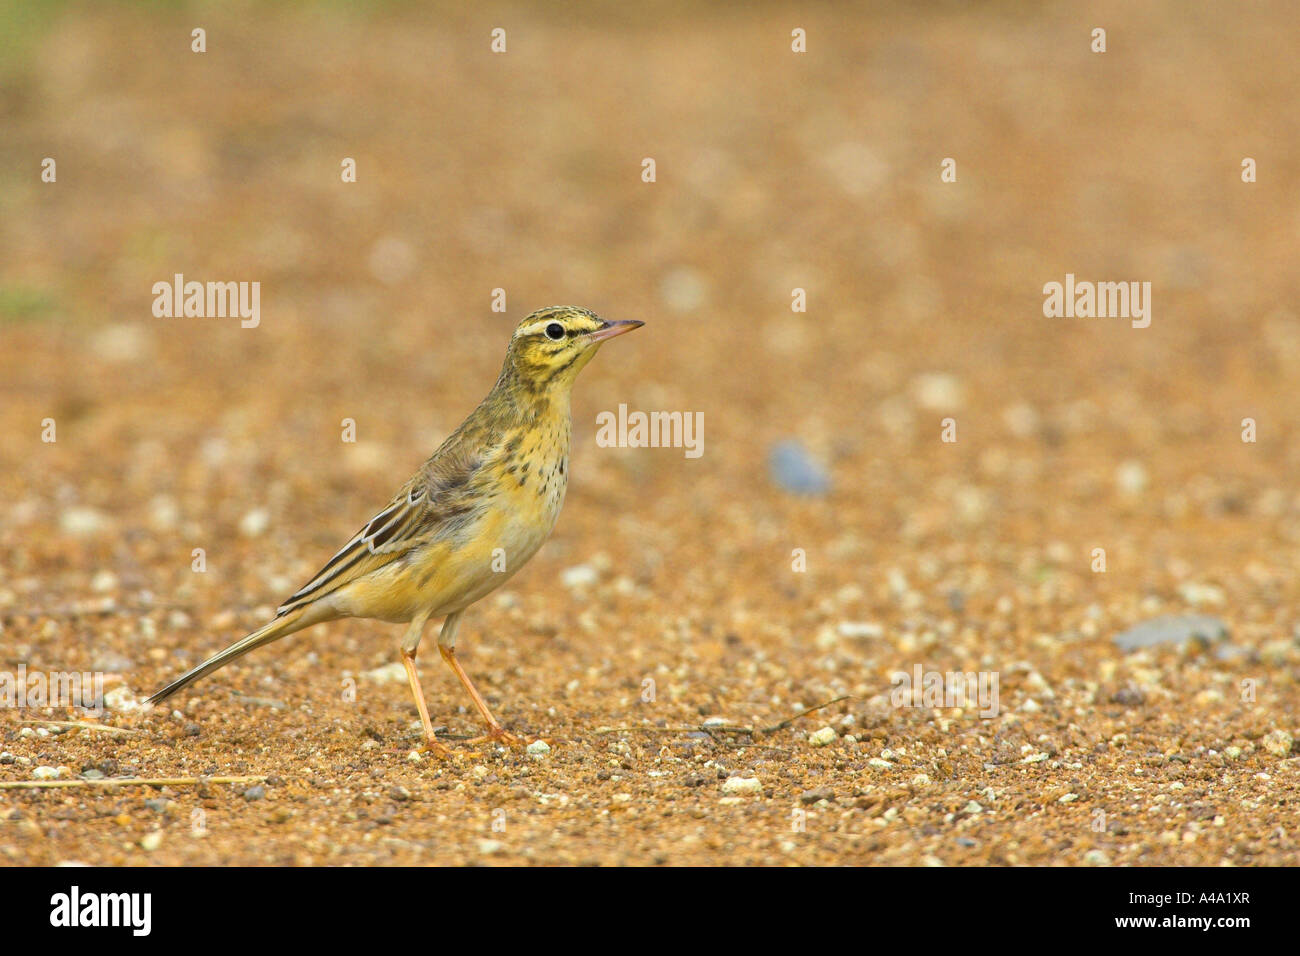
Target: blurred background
775	171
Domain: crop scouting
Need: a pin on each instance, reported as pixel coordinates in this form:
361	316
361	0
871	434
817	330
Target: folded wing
433	505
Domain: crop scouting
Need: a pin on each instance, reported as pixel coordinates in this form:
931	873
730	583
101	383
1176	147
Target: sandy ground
673	592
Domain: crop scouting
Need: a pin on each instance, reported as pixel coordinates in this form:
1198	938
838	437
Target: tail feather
280	627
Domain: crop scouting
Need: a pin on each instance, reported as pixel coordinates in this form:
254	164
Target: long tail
295	620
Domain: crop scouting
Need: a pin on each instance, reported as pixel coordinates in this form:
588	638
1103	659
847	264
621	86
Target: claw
499	734
436	749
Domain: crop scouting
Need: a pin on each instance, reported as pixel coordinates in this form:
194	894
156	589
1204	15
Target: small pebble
1131	477
151	841
823	737
937	392
579	576
860	629
255	523
104	581
794	470
1171	629
394	673
820	793
1278	743
741	786
257	792
122	699
81	521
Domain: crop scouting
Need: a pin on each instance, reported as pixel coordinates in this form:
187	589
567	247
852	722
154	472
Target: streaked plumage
497	482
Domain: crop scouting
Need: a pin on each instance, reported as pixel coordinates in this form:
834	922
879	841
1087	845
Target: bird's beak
611	329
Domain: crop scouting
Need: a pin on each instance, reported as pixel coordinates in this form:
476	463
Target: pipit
471	517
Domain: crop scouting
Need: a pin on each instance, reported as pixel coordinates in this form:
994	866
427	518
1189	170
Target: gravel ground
826	538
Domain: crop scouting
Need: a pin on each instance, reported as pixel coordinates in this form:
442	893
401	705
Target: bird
472	515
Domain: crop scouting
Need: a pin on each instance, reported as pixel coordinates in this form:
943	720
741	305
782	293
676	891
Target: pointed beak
611	329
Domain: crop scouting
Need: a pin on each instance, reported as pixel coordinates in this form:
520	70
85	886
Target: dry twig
83	725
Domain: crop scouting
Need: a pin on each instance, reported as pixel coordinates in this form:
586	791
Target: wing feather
432	505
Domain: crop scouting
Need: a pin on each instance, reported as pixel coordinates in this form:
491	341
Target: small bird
471	517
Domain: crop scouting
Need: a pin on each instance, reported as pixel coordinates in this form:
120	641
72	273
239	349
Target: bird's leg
447	647
409	645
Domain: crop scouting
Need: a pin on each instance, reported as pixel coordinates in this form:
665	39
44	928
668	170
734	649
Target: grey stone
1172	629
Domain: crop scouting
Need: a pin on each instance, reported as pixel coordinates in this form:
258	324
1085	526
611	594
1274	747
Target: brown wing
432	505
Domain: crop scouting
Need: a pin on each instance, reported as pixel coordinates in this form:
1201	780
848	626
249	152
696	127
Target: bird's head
551	346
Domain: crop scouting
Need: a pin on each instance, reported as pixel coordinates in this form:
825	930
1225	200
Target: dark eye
555	331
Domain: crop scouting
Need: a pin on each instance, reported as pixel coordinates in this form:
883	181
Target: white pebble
741	785
820	738
121	698
104	581
393	673
579	576
1278	743
937	392
1131	477
861	629
255	523
82	521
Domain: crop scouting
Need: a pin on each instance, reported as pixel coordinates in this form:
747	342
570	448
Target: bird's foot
498	734
435	749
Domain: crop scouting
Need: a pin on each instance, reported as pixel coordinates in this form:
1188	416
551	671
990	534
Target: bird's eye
555	331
